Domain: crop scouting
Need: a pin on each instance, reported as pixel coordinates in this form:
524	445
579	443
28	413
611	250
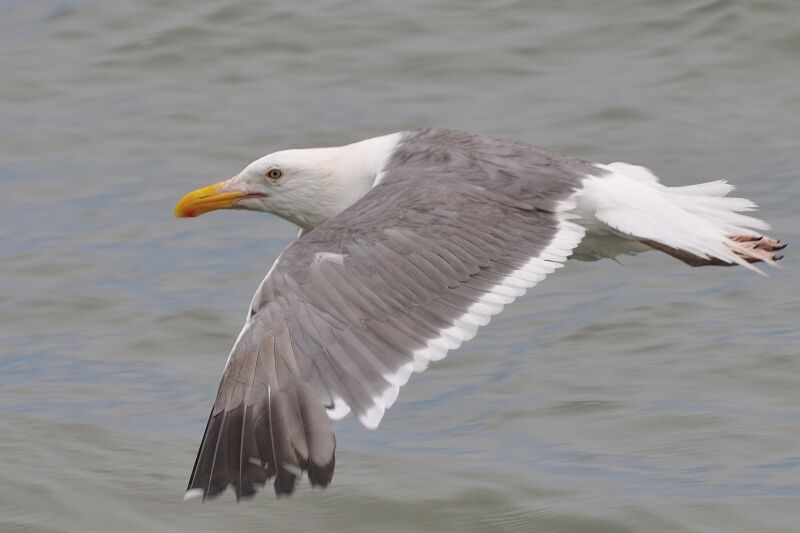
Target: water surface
646	396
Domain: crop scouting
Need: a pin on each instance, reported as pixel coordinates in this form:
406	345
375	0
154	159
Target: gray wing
352	308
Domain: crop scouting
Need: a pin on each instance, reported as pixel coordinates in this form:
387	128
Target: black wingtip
243	448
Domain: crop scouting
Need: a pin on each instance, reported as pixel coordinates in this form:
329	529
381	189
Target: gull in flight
408	243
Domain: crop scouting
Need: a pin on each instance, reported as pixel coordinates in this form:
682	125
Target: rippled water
642	397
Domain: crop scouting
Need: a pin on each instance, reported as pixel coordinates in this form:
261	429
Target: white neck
349	173
362	162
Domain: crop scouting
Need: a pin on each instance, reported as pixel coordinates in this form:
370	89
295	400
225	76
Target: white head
306	187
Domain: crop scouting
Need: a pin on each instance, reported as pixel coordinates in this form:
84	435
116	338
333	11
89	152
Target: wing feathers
267	422
321	441
351	309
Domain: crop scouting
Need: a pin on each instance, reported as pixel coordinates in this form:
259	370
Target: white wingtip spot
339	410
294	469
192	494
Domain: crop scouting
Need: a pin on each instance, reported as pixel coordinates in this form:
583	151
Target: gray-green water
643	397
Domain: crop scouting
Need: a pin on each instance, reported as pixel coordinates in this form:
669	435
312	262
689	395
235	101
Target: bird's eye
274	173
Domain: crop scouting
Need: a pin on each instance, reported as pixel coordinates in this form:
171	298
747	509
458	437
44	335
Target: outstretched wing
351	309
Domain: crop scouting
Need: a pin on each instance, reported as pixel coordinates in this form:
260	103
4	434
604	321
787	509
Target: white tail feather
697	219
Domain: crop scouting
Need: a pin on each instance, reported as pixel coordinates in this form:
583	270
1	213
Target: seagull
408	243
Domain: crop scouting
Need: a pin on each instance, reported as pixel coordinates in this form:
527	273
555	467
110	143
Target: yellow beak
206	199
